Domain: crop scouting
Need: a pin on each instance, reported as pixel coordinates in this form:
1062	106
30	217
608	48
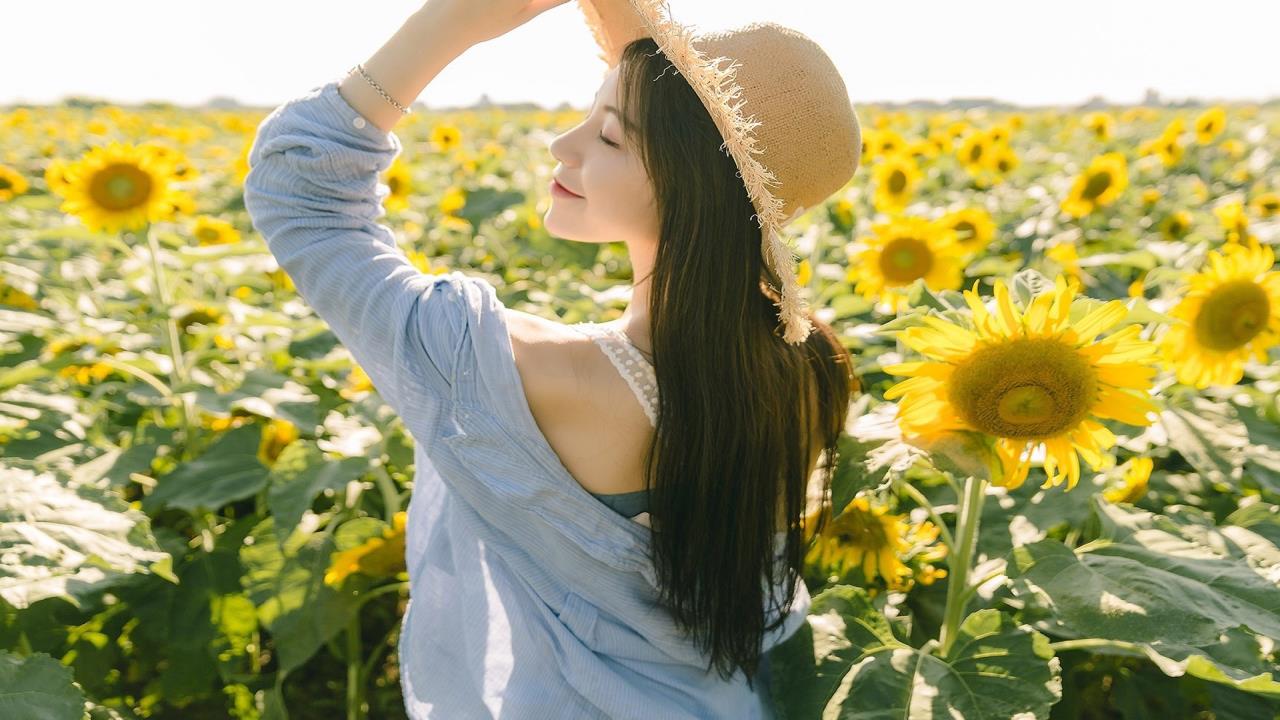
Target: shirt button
358	122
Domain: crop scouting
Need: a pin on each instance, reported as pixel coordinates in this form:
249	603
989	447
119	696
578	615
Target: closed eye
607	141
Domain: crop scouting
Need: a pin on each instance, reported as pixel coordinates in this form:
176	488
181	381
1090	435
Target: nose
564	147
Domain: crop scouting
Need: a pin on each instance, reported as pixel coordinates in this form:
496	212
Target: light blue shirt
529	597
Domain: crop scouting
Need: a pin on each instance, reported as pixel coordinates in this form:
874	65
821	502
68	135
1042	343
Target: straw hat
781	108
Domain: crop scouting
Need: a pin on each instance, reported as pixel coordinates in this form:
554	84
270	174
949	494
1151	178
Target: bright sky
263	52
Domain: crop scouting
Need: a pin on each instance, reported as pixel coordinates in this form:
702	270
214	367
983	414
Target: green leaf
266	393
1188	594
229	470
1208	435
287	587
846	663
69	542
301	473
38	687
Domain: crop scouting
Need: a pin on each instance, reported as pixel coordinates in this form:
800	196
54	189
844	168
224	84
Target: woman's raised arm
429	40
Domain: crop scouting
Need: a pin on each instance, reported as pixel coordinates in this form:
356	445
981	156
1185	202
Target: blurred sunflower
280	280
841	213
453	200
1266	205
15	297
973	226
397	179
868	537
1028	378
240	168
887	142
1176	224
12	183
1133	483
1066	255
1166	147
202	314
900	252
1231	311
1099	185
209	230
57	176
178	164
377	556
1233	220
973	152
1150	196
1003	159
356	385
896	178
276	436
118	187
1101	124
1210	124
446	137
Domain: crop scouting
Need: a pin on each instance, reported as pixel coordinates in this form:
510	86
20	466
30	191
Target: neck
635	319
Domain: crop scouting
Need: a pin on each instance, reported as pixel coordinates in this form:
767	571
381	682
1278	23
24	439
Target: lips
565	189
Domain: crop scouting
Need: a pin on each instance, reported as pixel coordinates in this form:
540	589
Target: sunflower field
1057	496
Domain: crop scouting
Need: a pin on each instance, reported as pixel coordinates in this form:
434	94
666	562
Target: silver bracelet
360	68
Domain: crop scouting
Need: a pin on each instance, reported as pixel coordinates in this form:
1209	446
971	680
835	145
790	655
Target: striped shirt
529	597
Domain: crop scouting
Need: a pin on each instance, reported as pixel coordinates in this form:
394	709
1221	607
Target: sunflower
1150	196
896	179
1266	204
209	230
1100	184
973	152
887	142
1233	148
179	166
276	436
453	200
1210	124
1003	159
1101	124
841	213
1066	255
902	251
1231	311
1133	483
1166	147
869	537
1176	224
12	184
118	187
1234	222
377	556
57	176
16	297
357	384
1027	379
398	182
446	136
240	167
973	226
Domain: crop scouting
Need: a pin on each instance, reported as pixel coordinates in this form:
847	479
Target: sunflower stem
177	373
923	502
961	559
355	709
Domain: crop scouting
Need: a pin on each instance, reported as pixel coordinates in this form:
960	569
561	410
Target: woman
602	514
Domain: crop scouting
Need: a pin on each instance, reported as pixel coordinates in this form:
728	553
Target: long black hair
742	414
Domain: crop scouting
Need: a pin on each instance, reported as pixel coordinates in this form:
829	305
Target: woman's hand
481	20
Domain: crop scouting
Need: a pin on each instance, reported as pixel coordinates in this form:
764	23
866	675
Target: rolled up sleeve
313	193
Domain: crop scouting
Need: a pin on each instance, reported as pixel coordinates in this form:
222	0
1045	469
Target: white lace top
638	373
629	361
